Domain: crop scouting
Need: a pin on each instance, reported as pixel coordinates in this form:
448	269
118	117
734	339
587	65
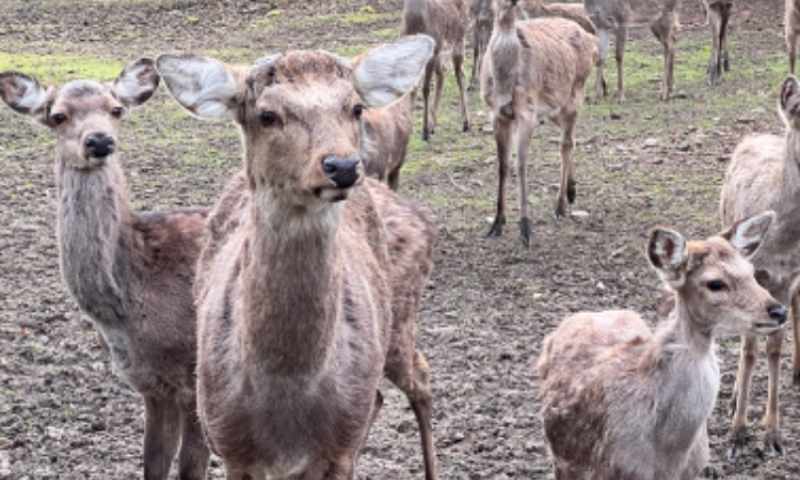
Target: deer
387	132
621	401
130	272
792	30
482	20
445	21
310	280
534	70
617	16
765	173
718	15
571	11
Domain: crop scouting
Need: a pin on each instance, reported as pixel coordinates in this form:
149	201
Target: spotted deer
617	16
130	272
445	21
309	283
765	173
792	30
619	401
534	70
718	14
387	132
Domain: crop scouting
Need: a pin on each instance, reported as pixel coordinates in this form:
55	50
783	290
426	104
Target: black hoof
425	136
572	191
525	231
497	228
466	126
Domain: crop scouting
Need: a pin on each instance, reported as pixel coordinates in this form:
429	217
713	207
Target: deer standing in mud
131	273
792	31
718	14
765	173
534	70
619	401
309	285
387	132
617	16
445	21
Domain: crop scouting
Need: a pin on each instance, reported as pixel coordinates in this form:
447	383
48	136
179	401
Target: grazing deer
387	131
622	402
792	30
445	21
534	70
617	16
309	285
718	14
765	173
131	273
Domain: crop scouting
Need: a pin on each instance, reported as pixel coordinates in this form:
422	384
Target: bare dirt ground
64	414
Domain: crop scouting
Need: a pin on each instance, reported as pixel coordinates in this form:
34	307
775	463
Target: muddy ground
63	414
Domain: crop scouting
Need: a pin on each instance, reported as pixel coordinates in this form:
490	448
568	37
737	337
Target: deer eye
269	118
716	285
58	118
117	112
358	110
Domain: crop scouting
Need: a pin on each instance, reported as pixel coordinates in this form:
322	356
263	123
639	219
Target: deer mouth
767	328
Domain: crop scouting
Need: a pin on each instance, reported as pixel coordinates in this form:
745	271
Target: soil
490	302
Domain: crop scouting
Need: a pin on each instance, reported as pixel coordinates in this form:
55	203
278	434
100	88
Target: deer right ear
747	235
204	86
25	95
668	254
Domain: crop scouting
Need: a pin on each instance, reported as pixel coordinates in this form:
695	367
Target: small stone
580	214
650	142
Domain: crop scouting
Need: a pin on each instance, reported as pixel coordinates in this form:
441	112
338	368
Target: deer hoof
525	231
773	444
466	125
796	377
497	228
726	62
572	191
426	136
739	439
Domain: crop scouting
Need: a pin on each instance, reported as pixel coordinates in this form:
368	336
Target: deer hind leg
193	455
161	434
426	92
524	134
601	87
723	36
715	62
772	440
566	189
741	395
458	63
621	38
476	58
437	96
503	129
664	30
791	45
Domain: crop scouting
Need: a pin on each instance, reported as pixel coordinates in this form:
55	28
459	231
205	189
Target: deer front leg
791	46
601	87
161	433
622	36
723	36
741	395
437	96
426	93
772	440
502	134
193	455
796	333
458	63
476	58
524	133
714	63
566	189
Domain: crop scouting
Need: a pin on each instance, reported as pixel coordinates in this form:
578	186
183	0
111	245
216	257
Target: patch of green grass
54	68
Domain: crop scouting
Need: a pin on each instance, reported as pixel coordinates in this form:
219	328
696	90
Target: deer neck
93	228
292	286
506	20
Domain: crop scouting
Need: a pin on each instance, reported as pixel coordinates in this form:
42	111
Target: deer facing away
131	273
309	285
765	173
619	401
445	21
534	70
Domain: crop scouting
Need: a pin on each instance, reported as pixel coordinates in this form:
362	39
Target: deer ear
388	72
204	86
789	88
25	95
136	83
668	254
748	235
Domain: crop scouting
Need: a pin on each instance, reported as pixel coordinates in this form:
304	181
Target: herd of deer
261	329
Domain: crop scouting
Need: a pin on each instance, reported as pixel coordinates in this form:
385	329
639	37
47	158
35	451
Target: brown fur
387	131
617	16
620	402
446	22
765	173
131	273
571	11
534	70
792	30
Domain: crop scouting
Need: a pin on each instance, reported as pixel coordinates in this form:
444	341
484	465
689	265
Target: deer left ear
136	83
748	235
668	254
25	95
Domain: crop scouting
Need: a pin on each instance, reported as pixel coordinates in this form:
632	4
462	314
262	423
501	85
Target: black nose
778	313
343	171
99	145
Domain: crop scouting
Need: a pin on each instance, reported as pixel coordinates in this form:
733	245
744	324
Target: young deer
445	21
309	285
534	70
616	16
718	14
792	30
765	173
131	273
387	131
619	401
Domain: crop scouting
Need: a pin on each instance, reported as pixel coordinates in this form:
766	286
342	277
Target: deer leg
161	434
502	135
714	63
741	395
621	38
476	57
193	455
567	184
524	133
437	97
458	63
426	92
723	37
772	440
601	87
669	60
792	47
796	333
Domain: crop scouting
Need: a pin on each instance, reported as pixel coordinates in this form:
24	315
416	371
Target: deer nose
99	145
778	313
343	171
